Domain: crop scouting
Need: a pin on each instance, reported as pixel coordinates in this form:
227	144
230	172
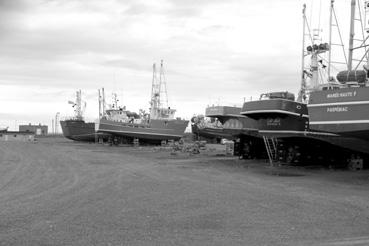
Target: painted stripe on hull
297	132
175	130
148	130
212	133
143	128
337	103
338	122
273	111
232	115
139	133
84	135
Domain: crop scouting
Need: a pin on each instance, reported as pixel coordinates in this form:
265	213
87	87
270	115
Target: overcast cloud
214	52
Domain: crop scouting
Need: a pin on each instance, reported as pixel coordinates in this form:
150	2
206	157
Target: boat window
278	95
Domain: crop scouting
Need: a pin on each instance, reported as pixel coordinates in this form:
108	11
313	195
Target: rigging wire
320	13
311	11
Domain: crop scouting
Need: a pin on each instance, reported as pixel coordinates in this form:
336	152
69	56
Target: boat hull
278	117
233	124
155	131
274	106
339	117
342	111
78	130
232	129
209	132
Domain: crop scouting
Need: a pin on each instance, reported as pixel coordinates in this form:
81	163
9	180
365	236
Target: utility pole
100	114
57	122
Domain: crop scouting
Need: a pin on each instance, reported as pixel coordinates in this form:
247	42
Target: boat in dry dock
156	126
278	114
222	122
339	107
227	122
330	119
75	128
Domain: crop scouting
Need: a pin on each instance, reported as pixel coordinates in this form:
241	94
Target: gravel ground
57	192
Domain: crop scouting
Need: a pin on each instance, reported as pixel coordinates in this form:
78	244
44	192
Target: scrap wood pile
192	148
175	147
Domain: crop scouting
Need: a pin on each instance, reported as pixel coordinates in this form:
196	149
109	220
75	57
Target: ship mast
155	94
102	104
364	40
78	105
301	96
103	101
115	101
330	40
163	85
159	95
352	33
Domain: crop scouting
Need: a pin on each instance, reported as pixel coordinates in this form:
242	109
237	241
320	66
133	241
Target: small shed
17	136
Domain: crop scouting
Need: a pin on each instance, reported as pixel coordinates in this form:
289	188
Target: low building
39	130
16	136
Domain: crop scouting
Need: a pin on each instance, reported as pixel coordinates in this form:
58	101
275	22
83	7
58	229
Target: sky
215	52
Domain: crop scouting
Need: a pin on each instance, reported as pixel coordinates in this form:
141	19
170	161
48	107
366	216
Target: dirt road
57	192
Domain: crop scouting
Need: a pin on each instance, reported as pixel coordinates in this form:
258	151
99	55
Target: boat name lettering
342	94
337	109
274	122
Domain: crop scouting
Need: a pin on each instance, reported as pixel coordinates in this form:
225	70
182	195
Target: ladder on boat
271	148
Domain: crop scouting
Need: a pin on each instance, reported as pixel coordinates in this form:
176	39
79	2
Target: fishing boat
217	120
222	122
154	127
226	122
75	128
329	120
282	120
341	108
278	114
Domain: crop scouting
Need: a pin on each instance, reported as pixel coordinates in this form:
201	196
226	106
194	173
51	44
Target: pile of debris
181	147
191	148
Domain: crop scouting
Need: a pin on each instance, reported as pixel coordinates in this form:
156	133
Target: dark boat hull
282	125
78	130
210	133
342	111
248	127
338	117
278	117
155	131
233	124
274	106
